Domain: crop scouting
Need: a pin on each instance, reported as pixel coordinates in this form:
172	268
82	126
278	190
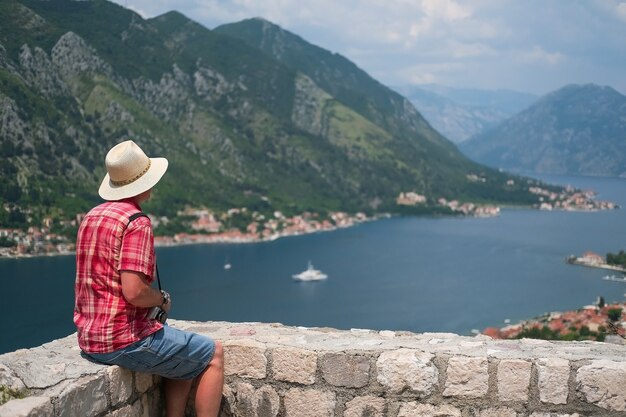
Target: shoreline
210	239
237	237
591	264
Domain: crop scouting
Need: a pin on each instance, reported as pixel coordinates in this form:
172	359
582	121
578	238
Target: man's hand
166	306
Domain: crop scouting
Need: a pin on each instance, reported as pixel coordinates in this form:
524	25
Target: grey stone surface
498	412
553	380
244	403
27	407
120	384
82	398
407	369
152	403
245	358
346	370
134	410
275	370
428	410
252	402
294	365
49	364
467	377
9	379
513	379
309	403
603	383
143	382
367	406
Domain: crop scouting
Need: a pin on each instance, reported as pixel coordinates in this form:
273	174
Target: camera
158	314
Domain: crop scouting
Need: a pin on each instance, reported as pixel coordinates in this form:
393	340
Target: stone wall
276	370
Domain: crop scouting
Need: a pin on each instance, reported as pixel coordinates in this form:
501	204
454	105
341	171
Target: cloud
466	50
460	42
621	11
445	10
537	55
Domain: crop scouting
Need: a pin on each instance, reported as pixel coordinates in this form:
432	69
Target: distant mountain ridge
578	129
278	125
460	113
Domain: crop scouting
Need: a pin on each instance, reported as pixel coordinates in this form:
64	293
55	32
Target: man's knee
218	356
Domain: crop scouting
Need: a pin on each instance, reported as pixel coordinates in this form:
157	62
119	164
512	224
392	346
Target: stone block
244	406
267	401
133	410
402	369
27	407
553	380
603	383
251	402
245	358
467	377
143	382
365	407
120	384
152	404
7	379
83	397
428	410
309	403
344	370
513	379
229	401
498	412
294	365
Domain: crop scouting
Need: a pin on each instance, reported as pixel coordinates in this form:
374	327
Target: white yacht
614	278
311	274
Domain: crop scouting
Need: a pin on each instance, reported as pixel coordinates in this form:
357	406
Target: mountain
506	101
286	126
460	113
578	129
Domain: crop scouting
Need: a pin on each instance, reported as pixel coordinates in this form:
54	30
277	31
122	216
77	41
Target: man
115	266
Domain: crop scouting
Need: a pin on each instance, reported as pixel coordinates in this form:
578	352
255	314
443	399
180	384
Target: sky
532	46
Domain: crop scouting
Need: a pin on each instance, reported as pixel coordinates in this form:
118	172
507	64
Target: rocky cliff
242	124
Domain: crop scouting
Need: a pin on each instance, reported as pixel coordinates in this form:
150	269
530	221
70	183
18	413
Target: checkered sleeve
137	251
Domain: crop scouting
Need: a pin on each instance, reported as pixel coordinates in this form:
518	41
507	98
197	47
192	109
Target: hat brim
111	192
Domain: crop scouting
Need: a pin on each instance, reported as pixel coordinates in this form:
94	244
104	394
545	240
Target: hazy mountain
578	129
459	114
296	128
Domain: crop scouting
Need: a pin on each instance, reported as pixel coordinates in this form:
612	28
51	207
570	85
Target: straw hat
130	172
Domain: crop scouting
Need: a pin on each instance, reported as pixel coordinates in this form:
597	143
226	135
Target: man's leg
176	395
210	385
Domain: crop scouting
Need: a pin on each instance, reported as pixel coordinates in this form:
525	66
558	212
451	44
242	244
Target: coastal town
591	322
206	226
570	199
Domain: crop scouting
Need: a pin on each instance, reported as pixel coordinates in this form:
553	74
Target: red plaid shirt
105	246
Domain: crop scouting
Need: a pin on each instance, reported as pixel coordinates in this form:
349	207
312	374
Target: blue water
418	274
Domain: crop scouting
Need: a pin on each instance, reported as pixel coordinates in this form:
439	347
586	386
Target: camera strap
136	216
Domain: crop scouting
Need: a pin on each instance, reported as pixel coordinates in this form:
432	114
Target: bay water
426	274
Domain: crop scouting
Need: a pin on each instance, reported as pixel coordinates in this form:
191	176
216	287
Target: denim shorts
169	352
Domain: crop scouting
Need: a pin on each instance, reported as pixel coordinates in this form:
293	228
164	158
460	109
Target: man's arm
138	292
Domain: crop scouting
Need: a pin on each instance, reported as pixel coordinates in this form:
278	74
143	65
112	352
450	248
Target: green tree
614	314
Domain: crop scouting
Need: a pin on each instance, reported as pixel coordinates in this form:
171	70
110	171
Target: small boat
614	278
311	274
227	266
